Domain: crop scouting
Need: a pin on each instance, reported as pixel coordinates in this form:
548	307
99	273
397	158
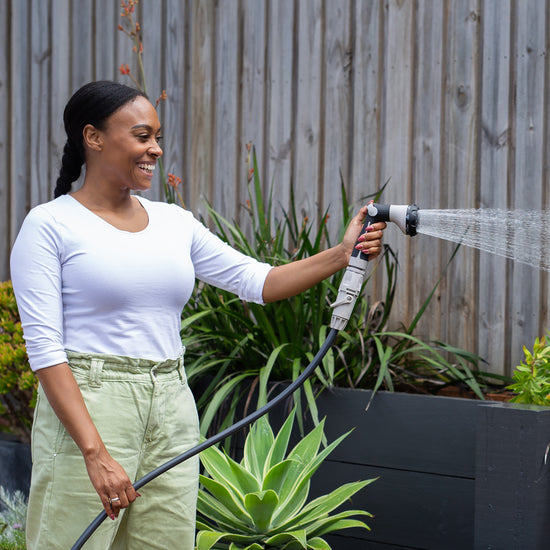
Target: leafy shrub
17	381
230	343
532	375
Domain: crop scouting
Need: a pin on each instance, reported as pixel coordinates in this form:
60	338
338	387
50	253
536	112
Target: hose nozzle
403	215
406	218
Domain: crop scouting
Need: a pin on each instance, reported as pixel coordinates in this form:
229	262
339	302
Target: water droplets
521	235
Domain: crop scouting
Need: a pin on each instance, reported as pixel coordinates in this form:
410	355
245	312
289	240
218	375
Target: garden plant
532	375
261	502
17	382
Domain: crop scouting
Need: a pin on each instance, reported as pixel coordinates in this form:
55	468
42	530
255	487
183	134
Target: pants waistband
99	364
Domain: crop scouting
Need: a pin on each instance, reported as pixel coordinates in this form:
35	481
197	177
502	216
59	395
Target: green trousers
146	415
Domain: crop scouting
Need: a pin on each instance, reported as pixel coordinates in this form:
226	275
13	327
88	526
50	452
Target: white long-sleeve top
83	285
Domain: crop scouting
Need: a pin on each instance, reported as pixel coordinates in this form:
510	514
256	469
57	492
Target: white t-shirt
83	285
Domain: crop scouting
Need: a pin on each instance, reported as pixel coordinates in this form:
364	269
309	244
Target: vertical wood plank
6	184
306	175
528	163
366	117
225	104
280	99
202	97
367	74
40	173
494	157
426	255
154	61
81	47
19	75
460	168
396	145
61	87
105	23
337	108
175	130
252	99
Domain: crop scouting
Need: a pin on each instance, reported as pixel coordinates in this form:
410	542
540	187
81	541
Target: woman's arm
293	278
106	474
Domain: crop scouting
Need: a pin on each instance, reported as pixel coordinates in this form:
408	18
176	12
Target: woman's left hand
370	241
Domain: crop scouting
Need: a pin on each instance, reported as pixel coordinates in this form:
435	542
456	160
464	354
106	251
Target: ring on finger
114	499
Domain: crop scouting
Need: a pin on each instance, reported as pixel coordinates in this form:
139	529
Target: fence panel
447	100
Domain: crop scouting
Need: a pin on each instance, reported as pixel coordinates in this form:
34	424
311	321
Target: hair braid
71	166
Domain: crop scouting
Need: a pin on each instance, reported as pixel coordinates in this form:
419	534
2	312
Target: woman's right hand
110	481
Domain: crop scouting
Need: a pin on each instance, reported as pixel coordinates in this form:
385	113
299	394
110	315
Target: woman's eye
159	138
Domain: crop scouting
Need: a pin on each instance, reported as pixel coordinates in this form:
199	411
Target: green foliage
532	375
13	518
17	381
261	501
249	345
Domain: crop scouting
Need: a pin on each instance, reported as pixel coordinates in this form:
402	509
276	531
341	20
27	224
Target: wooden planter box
453	473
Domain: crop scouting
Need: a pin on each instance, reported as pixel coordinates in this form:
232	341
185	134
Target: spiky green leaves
261	502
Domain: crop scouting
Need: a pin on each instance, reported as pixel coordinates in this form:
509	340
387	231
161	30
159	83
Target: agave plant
260	502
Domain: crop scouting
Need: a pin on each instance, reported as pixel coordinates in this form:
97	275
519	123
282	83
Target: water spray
406	218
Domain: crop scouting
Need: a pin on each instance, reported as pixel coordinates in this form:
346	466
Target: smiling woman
101	277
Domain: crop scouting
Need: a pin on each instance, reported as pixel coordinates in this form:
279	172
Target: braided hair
92	104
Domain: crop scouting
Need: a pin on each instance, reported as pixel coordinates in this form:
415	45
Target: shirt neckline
105	222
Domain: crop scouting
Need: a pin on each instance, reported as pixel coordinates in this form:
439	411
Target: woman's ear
92	138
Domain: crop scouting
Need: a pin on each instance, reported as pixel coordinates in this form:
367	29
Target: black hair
92	104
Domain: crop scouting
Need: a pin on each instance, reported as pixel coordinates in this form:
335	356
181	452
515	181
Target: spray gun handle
354	276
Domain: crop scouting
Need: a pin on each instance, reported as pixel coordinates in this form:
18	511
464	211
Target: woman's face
130	145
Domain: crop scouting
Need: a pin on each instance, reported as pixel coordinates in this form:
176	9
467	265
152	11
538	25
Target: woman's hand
110	481
370	242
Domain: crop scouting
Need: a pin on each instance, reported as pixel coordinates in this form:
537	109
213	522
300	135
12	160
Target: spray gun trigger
346	300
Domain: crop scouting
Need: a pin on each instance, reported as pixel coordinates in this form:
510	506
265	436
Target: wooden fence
448	100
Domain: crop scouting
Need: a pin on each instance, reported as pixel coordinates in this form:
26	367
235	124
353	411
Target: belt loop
96	368
181	369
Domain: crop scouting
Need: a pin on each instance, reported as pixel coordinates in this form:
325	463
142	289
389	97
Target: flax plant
235	349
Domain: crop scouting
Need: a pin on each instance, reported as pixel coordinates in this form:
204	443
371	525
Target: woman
101	277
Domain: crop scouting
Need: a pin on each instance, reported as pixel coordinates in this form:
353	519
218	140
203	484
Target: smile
149	168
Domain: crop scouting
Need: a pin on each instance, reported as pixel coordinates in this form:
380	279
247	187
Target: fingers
116	502
370	242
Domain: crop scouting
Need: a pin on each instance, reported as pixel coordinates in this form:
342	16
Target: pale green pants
146	415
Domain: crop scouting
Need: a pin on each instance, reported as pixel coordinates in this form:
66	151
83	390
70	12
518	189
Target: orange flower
161	97
250	174
173	180
124	69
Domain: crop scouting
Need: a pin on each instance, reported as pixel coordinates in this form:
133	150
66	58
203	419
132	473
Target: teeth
148	167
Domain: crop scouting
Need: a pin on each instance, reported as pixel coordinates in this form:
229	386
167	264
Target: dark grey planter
15	464
453	473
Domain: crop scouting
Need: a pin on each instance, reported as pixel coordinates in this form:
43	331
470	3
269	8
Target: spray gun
406	218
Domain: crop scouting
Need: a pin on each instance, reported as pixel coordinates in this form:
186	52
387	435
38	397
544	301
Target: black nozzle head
412	220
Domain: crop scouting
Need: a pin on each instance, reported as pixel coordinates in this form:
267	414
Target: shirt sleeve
36	278
219	264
